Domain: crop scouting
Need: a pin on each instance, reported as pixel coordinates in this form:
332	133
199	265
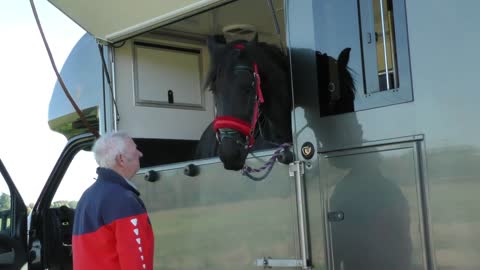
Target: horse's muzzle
232	153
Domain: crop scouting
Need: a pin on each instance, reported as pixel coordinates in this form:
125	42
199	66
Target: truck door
13	224
51	220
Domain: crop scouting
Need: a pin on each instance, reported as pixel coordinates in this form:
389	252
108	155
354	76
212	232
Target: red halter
242	126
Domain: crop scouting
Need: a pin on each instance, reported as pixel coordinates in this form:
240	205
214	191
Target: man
112	229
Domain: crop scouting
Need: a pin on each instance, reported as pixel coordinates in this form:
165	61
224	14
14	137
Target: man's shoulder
107	194
108	202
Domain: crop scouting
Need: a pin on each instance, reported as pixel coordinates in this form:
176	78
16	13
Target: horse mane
262	52
276	54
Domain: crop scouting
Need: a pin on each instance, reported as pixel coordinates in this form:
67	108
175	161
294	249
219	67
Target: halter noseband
242	126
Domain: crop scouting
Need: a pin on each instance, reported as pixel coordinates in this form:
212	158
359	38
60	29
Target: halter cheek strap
245	128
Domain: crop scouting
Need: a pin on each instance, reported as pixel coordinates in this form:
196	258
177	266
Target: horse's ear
343	57
214	44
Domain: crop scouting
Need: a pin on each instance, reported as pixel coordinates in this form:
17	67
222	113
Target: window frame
372	97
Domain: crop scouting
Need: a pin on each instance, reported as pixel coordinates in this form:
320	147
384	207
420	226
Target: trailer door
374	197
220	219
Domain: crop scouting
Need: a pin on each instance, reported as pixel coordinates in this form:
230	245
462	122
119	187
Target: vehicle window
59	218
5	207
79	176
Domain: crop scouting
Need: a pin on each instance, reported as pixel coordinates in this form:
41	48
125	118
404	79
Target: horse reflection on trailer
383	173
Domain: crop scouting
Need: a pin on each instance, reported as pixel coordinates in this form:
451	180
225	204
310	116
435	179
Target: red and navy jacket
111	227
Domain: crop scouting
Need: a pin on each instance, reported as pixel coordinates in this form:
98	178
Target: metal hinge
294	167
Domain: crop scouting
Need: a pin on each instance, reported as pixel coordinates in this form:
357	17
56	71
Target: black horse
250	82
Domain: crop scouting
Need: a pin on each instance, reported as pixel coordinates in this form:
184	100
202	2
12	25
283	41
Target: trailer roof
117	20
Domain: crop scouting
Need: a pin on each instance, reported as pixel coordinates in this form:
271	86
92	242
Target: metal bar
420	159
393	49
275	22
298	168
385	58
295	169
274	14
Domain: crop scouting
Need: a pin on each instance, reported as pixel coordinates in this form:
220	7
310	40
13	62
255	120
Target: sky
28	148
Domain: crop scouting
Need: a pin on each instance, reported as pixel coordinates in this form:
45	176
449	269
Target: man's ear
119	159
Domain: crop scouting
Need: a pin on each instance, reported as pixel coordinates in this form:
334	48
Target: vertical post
384	33
296	169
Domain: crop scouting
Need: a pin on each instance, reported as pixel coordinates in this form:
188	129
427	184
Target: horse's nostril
232	154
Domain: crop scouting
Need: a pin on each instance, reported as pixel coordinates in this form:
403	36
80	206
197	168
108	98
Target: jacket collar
105	174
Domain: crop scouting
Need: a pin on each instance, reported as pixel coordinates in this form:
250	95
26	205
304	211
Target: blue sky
27	146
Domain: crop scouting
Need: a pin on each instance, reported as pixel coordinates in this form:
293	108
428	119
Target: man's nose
140	154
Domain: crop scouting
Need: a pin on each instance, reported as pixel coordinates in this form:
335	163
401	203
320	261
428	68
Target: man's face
131	159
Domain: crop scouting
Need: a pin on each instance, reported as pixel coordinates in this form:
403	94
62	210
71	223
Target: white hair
108	147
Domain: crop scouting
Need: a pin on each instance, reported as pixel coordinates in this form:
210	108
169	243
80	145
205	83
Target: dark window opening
375	34
165	151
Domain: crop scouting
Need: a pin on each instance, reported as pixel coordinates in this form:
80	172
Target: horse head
335	83
250	85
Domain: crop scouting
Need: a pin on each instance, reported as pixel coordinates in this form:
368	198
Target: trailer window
376	33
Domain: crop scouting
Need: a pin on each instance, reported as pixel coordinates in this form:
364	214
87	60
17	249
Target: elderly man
112	229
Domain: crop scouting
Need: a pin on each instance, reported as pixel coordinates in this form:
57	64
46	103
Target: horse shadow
373	232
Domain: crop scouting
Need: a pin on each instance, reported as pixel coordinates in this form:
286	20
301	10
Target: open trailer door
13	224
205	217
131	17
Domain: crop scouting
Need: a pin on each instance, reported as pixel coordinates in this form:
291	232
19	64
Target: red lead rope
238	124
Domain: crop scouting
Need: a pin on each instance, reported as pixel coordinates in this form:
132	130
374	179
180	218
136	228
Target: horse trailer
378	169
